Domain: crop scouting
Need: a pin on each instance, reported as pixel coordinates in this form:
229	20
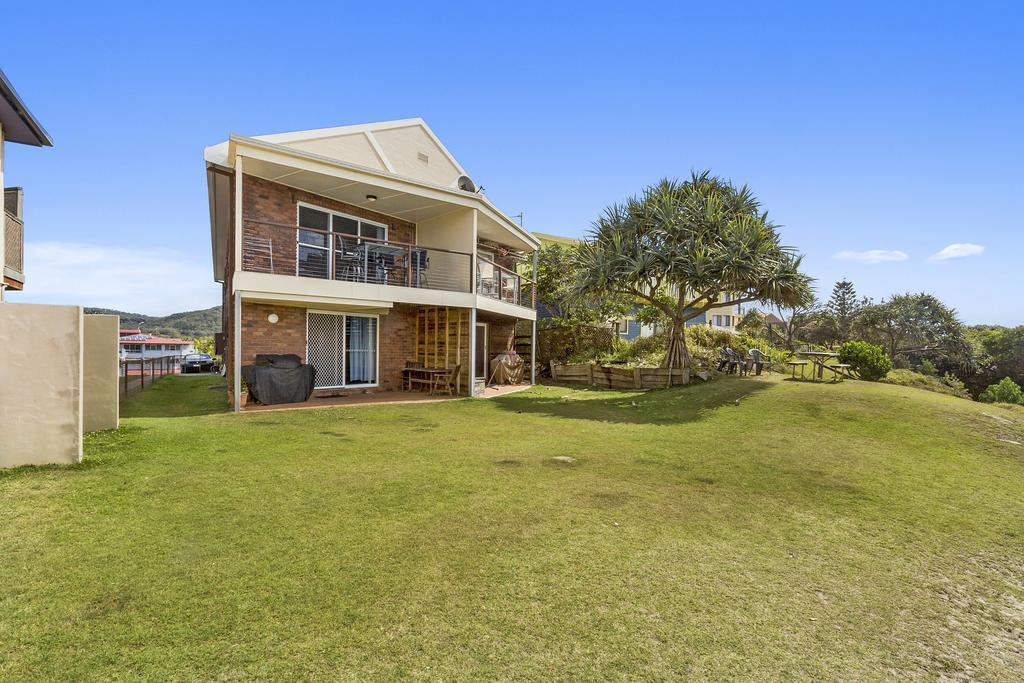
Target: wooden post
554	372
590	373
636	379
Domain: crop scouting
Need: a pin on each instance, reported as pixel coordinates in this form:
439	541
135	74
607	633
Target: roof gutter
42	138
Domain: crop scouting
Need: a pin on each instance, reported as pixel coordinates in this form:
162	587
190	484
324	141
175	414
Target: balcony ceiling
403	205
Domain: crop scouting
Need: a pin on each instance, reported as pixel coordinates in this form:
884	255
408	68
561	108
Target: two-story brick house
359	249
17	125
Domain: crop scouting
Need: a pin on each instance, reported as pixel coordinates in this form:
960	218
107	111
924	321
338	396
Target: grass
748	528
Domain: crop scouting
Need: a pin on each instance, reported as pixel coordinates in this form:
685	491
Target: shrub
928	368
947	384
867	360
1005	391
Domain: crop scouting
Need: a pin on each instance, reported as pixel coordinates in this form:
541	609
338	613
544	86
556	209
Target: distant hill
202	323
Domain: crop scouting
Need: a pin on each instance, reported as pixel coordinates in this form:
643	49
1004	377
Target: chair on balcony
420	262
348	261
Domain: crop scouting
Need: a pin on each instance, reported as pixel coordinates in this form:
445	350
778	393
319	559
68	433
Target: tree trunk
678	355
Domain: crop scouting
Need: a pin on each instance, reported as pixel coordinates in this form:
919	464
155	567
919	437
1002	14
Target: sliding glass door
360	350
342	348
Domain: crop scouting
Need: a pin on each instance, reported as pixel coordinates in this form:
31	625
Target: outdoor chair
448	382
420	263
758	360
723	359
409	378
348	262
736	362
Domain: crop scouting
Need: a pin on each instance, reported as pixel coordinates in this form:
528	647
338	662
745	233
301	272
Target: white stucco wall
40	384
100	373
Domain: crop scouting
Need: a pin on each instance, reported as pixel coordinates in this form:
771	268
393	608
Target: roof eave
513	227
40	137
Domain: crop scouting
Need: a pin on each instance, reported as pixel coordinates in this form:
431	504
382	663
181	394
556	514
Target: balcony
497	282
283	249
14	235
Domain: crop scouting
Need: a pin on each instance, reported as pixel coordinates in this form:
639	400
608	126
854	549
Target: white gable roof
406	147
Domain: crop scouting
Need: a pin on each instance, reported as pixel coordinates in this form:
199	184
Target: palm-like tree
680	245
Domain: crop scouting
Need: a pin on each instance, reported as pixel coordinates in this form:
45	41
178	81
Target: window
718	321
727	320
342	349
317	227
132	348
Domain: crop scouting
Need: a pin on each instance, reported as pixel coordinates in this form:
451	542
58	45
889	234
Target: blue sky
876	134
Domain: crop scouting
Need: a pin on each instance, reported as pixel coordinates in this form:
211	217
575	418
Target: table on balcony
377	256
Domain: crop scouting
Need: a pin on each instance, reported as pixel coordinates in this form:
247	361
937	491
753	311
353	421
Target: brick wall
266	201
288	335
259	335
397	336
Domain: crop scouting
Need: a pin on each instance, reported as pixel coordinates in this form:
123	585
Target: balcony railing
284	249
498	282
14	236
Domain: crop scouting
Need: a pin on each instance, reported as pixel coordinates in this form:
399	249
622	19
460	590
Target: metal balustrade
283	249
498	282
305	252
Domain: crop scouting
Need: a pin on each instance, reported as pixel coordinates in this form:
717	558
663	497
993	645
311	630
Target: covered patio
360	398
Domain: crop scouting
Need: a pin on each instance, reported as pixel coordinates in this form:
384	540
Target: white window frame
330	230
344	373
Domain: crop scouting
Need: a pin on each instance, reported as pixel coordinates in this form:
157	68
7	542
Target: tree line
666	255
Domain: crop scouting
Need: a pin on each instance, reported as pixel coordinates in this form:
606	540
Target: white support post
533	352
236	331
236	342
472	351
533	324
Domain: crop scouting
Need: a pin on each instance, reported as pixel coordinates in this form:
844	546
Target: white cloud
872	256
956	250
148	281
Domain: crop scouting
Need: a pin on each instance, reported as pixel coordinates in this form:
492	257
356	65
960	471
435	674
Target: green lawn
856	530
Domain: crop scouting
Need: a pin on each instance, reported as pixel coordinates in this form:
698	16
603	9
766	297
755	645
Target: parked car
197	362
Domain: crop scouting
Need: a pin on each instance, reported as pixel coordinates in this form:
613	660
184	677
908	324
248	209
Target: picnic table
820	359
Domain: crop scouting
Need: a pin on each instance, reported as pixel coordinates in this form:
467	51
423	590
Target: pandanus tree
678	246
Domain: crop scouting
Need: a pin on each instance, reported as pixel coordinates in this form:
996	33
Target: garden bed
612	377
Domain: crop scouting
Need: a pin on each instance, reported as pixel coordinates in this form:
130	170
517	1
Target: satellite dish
466	184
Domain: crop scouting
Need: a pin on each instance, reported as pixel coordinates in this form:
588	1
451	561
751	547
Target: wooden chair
448	381
409	378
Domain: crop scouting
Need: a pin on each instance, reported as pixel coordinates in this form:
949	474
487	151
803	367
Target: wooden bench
798	363
839	376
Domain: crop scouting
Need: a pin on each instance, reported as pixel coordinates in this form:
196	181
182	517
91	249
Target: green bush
947	384
1005	391
928	368
867	360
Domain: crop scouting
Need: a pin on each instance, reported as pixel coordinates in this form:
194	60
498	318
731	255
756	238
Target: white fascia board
317	133
322	164
485	303
294	288
217	154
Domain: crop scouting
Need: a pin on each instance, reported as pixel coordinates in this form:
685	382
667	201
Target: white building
135	345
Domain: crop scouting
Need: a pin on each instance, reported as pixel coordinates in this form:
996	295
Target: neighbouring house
136	345
59	367
361	249
724	317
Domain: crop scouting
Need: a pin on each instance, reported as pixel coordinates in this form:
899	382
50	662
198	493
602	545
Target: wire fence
139	373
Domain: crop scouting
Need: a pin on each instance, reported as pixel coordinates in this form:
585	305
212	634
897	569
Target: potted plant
243	397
